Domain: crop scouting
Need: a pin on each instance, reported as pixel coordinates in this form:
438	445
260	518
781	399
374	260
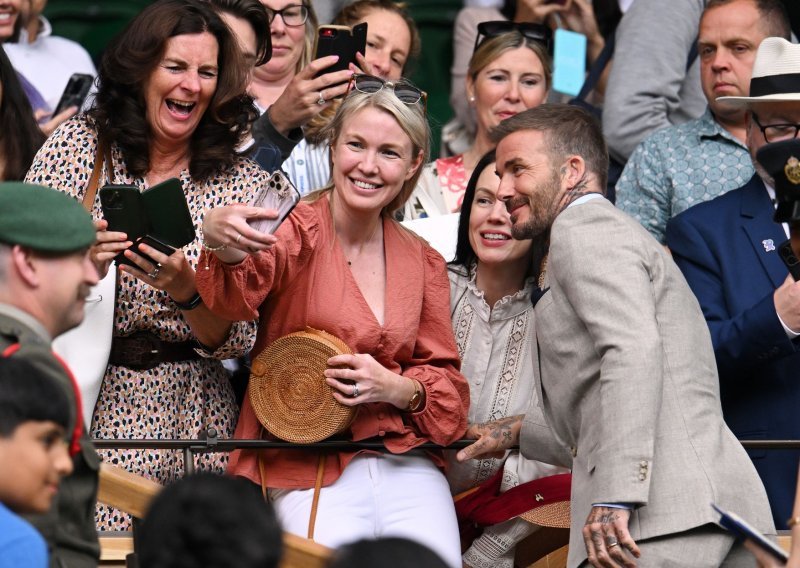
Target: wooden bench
133	494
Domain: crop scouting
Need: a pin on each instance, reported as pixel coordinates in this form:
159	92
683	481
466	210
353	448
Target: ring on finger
321	99
611	542
154	273
355	390
239	238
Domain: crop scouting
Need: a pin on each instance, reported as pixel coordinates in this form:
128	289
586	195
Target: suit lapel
764	233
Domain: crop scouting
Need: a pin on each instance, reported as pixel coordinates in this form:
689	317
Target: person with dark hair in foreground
627	372
34	457
171	104
210	520
390	552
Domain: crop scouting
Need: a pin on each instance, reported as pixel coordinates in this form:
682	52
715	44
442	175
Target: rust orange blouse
304	281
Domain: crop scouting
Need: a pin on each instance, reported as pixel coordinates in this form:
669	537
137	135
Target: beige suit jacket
629	382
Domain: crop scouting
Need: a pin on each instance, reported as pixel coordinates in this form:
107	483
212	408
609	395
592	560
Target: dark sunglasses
534	32
402	89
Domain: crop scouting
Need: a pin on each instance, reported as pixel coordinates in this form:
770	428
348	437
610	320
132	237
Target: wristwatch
416	399
190	304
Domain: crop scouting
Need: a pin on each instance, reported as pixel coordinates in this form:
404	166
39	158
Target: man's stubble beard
540	219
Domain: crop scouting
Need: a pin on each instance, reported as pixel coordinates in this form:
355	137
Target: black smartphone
342	41
147	240
168	216
75	92
278	194
123	208
789	259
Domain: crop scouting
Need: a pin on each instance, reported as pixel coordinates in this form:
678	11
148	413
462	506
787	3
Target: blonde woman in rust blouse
342	264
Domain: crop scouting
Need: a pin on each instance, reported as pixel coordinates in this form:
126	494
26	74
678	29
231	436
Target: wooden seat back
133	494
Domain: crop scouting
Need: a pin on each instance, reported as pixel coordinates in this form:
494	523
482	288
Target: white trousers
378	496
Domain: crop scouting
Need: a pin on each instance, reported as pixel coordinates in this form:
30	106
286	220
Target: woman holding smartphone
170	104
310	103
340	263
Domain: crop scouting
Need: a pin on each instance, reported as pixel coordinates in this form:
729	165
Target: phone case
169	219
278	194
342	41
150	241
75	92
741	528
124	210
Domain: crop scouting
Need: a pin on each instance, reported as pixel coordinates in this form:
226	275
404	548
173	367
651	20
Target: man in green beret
45	275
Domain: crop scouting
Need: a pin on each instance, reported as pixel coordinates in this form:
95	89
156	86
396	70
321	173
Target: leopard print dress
172	400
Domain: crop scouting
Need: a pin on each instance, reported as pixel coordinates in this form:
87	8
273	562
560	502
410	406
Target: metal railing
212	444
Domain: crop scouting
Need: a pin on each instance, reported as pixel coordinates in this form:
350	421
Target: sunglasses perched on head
402	89
534	32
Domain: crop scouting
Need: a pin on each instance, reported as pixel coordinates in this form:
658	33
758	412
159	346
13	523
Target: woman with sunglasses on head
580	16
340	263
491	281
508	73
392	43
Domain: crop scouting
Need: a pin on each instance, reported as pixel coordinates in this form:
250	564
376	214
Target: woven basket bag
288	391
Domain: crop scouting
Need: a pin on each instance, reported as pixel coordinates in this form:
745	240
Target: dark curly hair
119	112
16	116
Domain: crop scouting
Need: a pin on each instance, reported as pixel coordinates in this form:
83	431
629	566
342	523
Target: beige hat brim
554	515
747	102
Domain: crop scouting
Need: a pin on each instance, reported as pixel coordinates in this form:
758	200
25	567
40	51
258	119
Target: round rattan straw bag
288	391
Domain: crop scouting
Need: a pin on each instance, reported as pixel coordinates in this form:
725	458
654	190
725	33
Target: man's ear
24	264
573	171
415	165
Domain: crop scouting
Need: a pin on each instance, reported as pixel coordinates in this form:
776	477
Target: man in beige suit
628	379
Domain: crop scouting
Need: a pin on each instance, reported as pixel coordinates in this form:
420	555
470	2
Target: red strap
74	444
10	350
487	506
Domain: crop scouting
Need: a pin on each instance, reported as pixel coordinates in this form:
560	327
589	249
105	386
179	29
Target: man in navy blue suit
727	250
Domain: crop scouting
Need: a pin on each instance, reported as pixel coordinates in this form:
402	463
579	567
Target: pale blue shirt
680	166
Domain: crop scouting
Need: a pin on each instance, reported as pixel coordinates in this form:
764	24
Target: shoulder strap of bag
596	71
102	156
599	65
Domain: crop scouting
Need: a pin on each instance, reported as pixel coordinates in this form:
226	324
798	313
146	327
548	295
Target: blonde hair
310	36
412	121
493	47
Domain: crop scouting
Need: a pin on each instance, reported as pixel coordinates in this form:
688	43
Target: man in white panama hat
727	249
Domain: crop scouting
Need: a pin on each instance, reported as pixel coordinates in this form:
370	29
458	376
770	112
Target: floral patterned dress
173	400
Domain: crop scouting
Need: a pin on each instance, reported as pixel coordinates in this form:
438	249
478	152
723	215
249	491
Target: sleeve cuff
789	333
627	506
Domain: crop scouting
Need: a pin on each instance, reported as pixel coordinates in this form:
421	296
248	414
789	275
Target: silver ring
154	273
321	99
239	238
355	390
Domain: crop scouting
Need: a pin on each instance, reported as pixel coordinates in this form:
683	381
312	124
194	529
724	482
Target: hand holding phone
278	194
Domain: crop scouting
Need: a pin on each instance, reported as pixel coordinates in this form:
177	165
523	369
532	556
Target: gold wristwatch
416	399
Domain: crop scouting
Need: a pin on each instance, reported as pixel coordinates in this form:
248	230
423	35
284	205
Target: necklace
542	272
362	245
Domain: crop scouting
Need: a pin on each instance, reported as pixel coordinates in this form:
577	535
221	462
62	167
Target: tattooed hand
493	438
608	542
